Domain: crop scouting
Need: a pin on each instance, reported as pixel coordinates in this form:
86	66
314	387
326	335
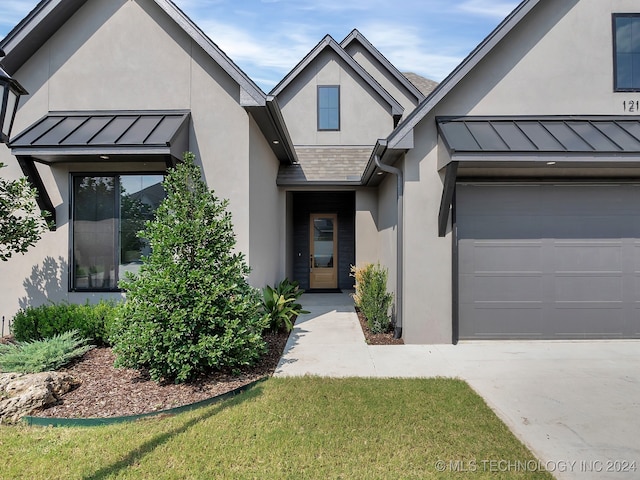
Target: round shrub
45	321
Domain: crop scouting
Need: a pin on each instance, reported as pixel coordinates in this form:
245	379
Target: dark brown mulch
109	392
377	338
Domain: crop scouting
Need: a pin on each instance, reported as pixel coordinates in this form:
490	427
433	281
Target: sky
267	38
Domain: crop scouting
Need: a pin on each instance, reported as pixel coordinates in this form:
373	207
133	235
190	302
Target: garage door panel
589	287
501	288
499	326
548	261
488	256
593	321
587	257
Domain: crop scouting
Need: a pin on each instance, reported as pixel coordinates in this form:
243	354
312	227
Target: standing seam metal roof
596	135
68	133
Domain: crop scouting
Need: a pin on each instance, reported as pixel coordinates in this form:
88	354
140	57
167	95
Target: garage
547	260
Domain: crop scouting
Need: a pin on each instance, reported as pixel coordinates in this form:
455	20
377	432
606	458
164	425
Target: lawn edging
100	421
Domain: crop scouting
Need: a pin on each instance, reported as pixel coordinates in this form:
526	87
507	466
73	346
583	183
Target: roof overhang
62	137
328	43
538	147
271	122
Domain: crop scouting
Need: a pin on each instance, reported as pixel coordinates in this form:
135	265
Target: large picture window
108	211
626	41
328	108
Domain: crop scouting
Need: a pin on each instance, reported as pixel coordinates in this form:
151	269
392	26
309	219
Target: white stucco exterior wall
366	226
558	61
124	55
299	106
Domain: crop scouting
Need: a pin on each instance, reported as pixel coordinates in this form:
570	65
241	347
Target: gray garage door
548	261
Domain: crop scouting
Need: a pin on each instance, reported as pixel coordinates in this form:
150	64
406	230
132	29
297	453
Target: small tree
189	310
21	224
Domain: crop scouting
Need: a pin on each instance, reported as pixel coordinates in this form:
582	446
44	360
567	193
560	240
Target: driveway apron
575	404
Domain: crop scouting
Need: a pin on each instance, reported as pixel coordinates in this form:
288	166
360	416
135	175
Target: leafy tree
189	310
21	223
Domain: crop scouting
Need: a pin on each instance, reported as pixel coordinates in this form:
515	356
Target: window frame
320	129
614	19
116	239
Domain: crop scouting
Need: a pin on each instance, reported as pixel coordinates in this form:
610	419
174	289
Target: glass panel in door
323	241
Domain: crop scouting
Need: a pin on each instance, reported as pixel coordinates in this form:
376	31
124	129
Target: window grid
329	107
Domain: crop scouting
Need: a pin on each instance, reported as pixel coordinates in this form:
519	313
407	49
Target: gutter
381	148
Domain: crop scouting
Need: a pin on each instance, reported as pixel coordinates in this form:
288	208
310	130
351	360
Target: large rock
23	394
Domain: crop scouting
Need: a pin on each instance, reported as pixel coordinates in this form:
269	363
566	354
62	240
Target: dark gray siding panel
306	203
548	261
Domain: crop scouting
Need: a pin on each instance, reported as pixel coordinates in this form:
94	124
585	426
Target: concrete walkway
576	405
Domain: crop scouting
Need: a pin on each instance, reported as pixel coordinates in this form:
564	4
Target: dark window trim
318	108
614	17
72	175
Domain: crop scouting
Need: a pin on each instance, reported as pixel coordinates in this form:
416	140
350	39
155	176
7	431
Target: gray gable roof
356	37
329	43
481	51
49	15
34	30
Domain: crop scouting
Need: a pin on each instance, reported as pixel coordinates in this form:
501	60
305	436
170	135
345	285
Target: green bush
43	355
189	310
280	304
45	321
371	296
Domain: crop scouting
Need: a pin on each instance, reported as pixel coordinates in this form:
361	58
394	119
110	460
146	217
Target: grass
286	428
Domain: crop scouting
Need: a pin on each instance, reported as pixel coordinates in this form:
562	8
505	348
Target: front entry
323	240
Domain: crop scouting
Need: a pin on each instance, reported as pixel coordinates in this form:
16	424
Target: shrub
189	310
45	321
371	296
43	355
280	304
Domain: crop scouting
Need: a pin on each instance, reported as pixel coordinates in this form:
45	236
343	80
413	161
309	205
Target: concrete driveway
576	405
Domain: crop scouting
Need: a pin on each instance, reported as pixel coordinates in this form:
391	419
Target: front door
324	251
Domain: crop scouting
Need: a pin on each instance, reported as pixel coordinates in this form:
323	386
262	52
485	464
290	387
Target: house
505	203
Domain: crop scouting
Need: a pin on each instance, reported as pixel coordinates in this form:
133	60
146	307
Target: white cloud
265	56
409	50
12	11
488	8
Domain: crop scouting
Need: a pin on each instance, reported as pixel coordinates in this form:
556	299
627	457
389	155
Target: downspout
400	237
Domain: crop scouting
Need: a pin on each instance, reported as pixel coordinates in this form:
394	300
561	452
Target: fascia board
461	71
357	36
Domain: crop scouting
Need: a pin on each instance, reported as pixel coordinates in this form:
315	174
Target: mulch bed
109	392
377	338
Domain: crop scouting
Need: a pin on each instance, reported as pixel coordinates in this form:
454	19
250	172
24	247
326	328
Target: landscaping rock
23	394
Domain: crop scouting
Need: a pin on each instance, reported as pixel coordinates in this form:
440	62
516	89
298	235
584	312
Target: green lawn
288	428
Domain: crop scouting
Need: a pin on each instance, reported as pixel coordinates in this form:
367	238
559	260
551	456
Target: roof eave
461	71
49	15
356	35
251	94
32	31
329	42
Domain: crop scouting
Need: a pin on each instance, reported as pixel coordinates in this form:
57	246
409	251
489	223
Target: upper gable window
626	44
329	107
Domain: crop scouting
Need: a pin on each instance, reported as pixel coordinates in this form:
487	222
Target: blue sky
267	38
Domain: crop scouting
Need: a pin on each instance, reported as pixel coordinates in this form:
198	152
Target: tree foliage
189	310
21	223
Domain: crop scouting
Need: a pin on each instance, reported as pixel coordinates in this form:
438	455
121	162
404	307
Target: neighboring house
505	204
